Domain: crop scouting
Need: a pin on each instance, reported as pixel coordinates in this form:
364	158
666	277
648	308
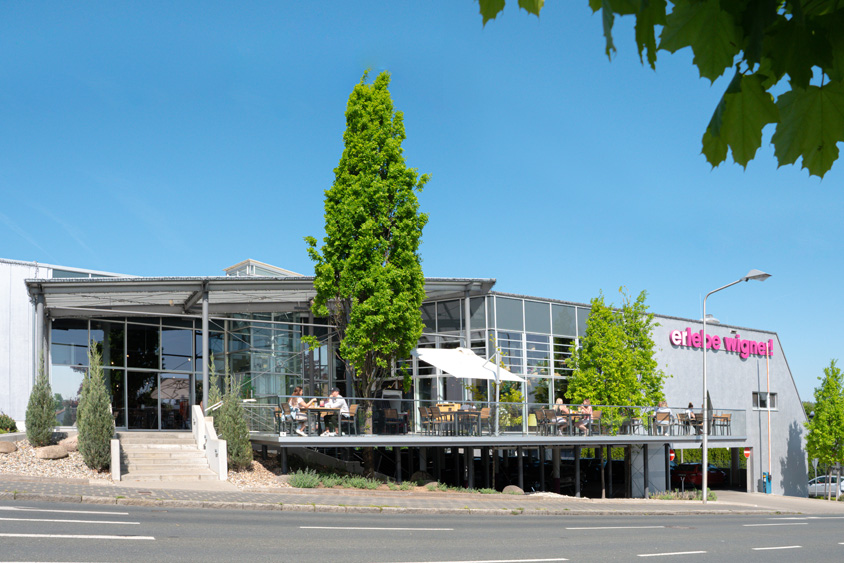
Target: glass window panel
68	274
142	346
509	313
145	320
537	317
116	385
66	383
565	321
429	316
582	314
177	322
110	336
538	355
477	313
176	349
562	351
69	342
512	351
448	316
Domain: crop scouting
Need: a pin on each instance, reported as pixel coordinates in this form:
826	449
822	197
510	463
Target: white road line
365	528
26	509
783	524
494	561
76	537
672	553
63	521
616	528
809	518
778	547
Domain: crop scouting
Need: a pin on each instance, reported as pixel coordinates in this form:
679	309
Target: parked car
818	486
692	476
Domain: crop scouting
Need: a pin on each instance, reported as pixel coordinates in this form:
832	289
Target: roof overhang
183	296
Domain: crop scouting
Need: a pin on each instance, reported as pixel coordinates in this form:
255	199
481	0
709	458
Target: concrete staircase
162	456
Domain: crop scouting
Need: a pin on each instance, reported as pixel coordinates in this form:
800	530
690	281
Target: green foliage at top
94	419
615	364
231	426
368	274
40	412
768	43
826	429
7	423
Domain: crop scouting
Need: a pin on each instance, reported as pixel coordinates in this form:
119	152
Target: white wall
17	329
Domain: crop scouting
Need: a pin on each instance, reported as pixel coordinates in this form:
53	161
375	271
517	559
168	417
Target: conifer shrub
40	413
93	418
232	426
7	424
214	395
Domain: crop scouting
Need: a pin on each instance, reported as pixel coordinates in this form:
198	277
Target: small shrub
431	487
331	480
7	424
40	415
232	426
304	479
406	486
693	494
359	482
488	491
93	418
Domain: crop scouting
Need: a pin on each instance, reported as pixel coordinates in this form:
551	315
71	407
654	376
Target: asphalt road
73	532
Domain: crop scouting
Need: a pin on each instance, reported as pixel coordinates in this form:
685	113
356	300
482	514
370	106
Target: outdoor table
321	411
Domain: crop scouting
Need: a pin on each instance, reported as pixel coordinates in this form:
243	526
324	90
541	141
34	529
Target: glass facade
153	365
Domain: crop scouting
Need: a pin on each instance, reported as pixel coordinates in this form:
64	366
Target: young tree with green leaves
40	412
614	364
826	429
762	41
94	418
369	277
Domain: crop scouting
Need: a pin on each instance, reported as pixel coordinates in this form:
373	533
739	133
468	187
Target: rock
7	447
70	444
51	452
421	477
512	490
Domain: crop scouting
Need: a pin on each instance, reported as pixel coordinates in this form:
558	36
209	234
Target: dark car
691	475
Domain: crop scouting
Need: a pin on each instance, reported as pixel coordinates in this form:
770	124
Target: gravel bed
262	474
24	462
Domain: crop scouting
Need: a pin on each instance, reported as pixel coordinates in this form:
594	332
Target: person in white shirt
335	401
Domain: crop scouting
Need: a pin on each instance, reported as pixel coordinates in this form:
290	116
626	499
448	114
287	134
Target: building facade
152	332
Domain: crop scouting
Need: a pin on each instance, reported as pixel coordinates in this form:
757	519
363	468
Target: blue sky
162	138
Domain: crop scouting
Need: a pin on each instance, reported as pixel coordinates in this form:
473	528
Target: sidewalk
220	495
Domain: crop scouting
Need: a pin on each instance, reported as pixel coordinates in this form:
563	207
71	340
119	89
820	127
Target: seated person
335	400
664	421
297	408
585	418
561	421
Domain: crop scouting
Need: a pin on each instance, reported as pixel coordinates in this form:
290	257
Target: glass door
142	400
174	398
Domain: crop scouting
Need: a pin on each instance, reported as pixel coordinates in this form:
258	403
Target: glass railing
389	416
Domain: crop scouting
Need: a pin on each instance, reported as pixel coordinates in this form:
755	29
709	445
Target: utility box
766	482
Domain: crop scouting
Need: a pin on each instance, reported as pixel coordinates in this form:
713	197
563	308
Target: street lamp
751	275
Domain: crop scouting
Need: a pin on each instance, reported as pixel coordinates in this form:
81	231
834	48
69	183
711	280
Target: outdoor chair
541	422
391	418
441	422
426	423
486	420
350	421
721	424
663	424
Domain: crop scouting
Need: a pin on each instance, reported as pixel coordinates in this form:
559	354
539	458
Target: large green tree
826	429
368	271
614	364
761	42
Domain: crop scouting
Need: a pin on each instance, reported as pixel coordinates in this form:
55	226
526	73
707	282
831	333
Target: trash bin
766	482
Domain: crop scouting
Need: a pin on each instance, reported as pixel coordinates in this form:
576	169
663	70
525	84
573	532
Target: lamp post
751	275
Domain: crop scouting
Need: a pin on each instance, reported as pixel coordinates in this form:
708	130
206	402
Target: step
155	466
156	440
157	447
163	454
184	476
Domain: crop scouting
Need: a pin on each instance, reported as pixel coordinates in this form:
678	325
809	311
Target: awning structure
464	363
182	296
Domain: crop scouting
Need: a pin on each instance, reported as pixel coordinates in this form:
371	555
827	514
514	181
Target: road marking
809	518
616	528
63	521
782	524
76	537
497	561
365	528
25	509
672	553
779	547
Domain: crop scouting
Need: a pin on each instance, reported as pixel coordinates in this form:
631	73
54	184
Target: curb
352	509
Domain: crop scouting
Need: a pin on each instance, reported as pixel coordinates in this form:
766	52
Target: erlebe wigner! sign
737	345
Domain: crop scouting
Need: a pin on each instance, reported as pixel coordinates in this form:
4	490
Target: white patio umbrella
465	364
